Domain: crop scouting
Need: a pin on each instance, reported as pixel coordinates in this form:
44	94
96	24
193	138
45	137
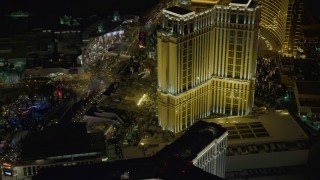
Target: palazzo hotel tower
207	62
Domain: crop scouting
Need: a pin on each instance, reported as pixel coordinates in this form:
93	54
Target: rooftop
142	168
240	1
172	162
211	2
265	128
178	10
61	140
192	142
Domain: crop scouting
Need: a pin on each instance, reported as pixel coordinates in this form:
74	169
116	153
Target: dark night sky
77	7
89	7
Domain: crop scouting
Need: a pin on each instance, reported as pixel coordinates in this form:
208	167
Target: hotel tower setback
207	62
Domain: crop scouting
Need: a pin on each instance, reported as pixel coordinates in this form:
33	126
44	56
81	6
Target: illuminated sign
142	39
6	164
59	90
7	173
114	33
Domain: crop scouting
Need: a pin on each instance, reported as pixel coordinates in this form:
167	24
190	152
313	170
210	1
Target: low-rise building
198	153
307	94
55	146
273	139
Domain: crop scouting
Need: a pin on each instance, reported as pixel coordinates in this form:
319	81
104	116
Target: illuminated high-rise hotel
273	20
207	62
293	27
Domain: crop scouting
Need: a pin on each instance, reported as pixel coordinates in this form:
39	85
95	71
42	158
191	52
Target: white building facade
212	158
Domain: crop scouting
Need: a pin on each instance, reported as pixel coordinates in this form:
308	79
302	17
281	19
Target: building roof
172	162
178	10
264	128
192	142
308	87
46	72
240	1
212	2
61	140
142	168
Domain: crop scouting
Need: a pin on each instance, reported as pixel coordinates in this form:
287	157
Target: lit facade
206	63
293	27
286	46
274	20
297	25
212	158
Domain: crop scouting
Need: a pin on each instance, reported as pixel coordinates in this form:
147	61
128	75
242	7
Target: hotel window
230	53
238	68
231	41
185	51
232	33
169	24
227	111
229	74
185	27
241	19
34	170
231	47
185	45
184	66
189	81
239	47
228	100
238	54
189	120
235	109
235	101
184	87
175	28
184	57
240	33
29	171
190	50
189	64
239	41
233	18
183	124
25	171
